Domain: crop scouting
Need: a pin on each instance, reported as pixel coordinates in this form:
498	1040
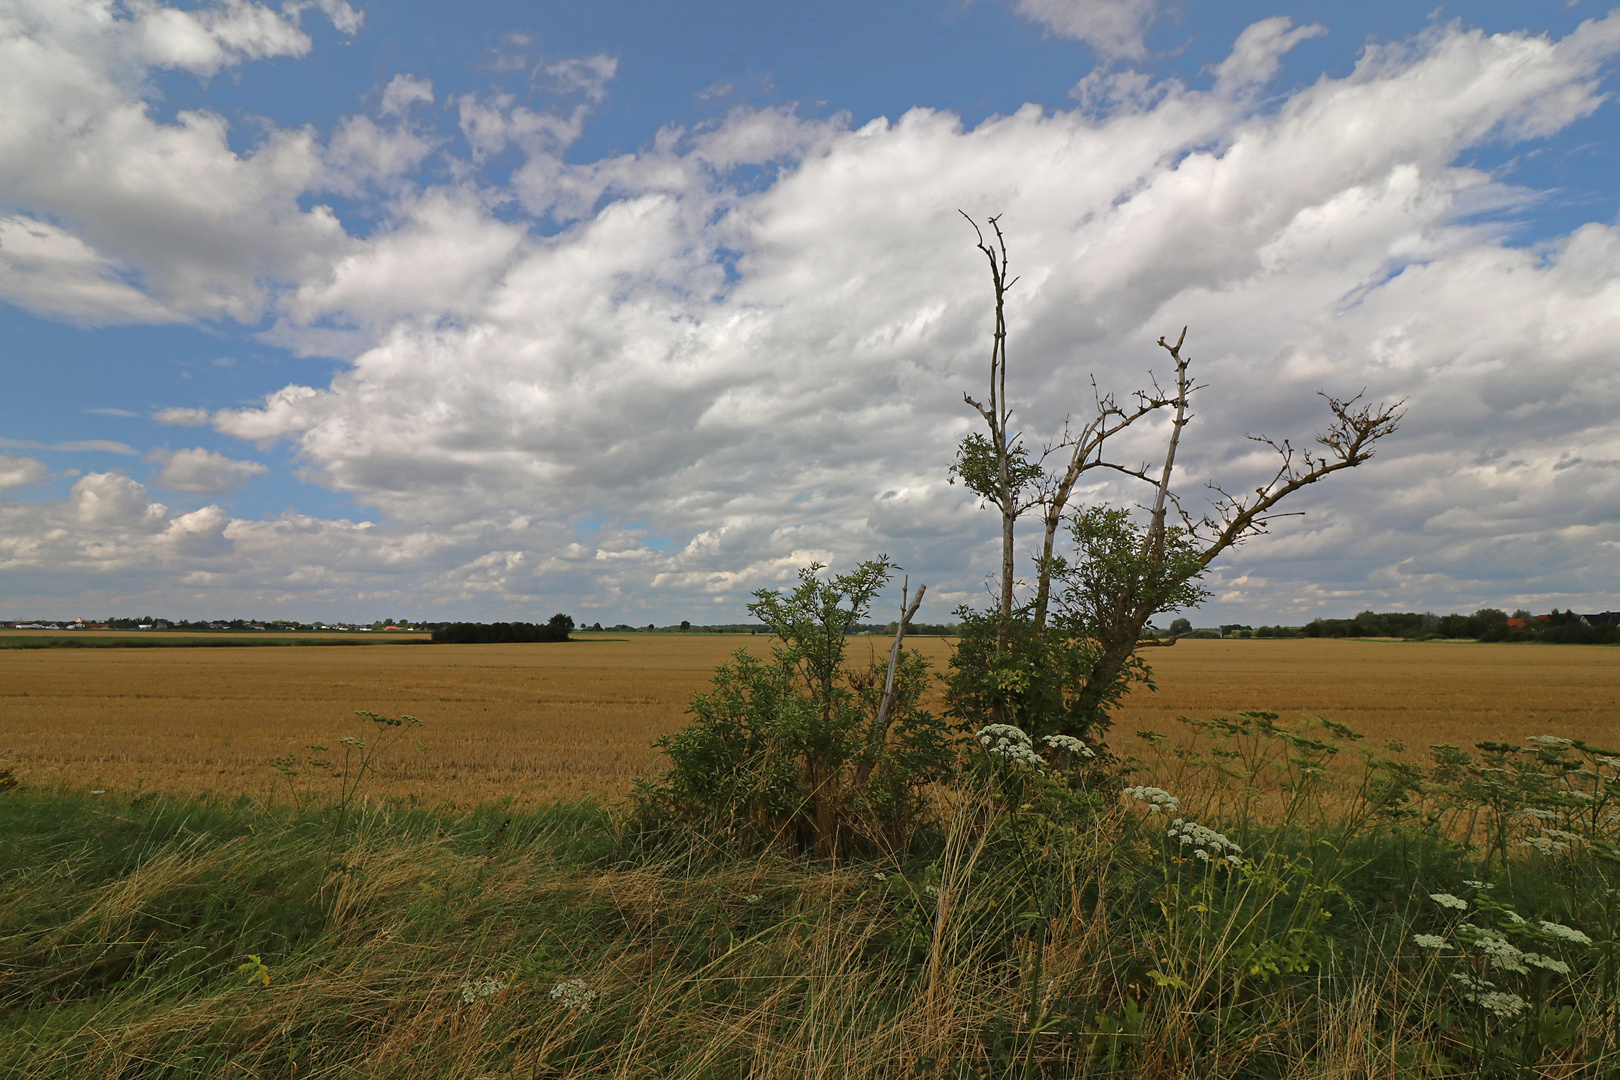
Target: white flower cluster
1070	744
1207	844
574	994
1548	962
1430	941
1157	799
1484	994
1502	953
1010	742
1446	900
1535	814
1611	762
1546	845
479	989
1567	933
1548	742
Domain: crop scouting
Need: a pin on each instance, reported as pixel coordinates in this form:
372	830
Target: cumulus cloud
154	219
198	471
17	472
1114	29
692	381
51	271
180	416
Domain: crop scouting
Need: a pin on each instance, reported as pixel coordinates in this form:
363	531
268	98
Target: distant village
282	625
1488	624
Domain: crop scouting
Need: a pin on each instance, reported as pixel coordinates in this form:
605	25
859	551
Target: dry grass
538	722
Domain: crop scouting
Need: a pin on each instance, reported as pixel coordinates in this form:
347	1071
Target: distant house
1602	618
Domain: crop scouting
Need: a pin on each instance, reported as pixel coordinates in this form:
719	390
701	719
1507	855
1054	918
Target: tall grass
1028	937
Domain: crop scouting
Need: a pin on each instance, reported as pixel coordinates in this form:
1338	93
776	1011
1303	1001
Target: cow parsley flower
1505	1005
1446	900
574	994
1480	884
1430	941
1544	844
1550	742
1503	954
1157	799
1535	814
1204	842
1547	962
1069	743
1010	742
479	989
1567	933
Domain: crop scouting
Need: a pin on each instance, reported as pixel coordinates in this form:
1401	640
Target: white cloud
1257	54
584	75
687	384
51	271
181	417
106	446
198	471
17	472
152	220
1115	29
403	91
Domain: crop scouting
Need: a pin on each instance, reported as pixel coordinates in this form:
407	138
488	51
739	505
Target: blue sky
629	309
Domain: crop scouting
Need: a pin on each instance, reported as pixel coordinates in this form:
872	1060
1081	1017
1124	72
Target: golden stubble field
537	722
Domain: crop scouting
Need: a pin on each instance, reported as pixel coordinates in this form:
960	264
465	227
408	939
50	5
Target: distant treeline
1486	624
463	633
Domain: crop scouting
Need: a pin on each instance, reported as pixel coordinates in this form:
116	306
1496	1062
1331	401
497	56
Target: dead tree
1112	614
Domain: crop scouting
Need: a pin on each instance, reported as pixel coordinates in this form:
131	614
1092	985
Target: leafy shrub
798	748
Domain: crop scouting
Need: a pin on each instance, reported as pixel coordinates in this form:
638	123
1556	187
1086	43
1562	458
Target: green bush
799	748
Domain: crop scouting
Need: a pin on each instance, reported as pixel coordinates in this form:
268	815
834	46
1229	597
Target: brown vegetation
537	722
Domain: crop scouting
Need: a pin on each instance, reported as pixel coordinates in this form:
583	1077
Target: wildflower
1480	884
1157	798
1504	955
1446	900
1069	743
1568	933
1430	941
752	898
99	791
479	989
1611	762
574	994
1515	918
1581	796
931	890
1001	734
1007	741
1205	842
1543	844
1537	960
1551	742
880	876
1537	815
1507	1006
1562	835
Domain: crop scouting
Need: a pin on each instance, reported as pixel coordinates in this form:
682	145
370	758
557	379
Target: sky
628	309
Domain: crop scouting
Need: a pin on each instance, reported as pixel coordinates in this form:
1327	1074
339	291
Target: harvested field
538	722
